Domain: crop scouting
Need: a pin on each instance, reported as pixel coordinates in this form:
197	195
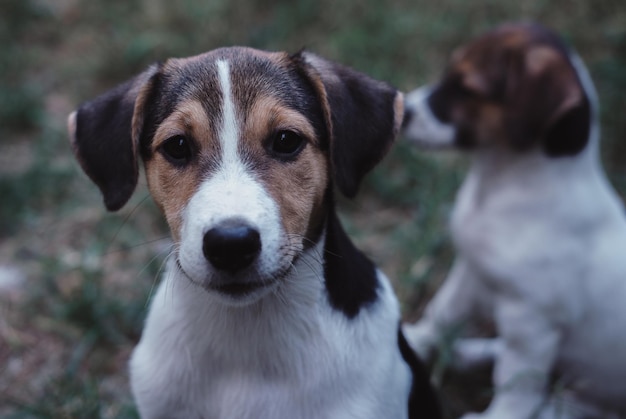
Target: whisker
277	292
171	253
152	259
313	243
134	246
312	262
312	267
127	217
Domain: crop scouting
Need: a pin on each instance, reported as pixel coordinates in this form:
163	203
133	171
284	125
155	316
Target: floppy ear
104	133
550	104
362	115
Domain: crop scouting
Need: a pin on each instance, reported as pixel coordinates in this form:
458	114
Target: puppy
266	308
540	234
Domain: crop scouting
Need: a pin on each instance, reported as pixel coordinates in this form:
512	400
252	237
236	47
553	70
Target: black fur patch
569	136
362	118
423	402
363	127
440	98
350	277
103	144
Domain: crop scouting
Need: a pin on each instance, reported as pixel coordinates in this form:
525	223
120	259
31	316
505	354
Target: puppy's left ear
552	102
104	133
362	115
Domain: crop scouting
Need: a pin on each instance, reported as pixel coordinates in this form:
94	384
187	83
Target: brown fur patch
519	81
173	187
297	186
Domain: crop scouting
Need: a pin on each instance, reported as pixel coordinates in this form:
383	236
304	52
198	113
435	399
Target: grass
66	334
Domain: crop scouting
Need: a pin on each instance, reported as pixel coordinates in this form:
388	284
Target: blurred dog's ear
548	103
362	116
105	132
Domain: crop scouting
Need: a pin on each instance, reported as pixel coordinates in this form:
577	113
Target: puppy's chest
321	382
474	224
490	226
246	395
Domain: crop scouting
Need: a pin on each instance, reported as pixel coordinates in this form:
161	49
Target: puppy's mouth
238	289
235	288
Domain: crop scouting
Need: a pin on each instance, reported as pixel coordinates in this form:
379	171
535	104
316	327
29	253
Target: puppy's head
241	149
517	86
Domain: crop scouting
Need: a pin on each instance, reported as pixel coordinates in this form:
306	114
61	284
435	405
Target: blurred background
75	280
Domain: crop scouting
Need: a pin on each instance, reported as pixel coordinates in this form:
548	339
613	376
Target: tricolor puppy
539	232
266	309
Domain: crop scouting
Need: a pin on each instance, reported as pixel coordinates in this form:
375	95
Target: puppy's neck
490	163
267	334
330	278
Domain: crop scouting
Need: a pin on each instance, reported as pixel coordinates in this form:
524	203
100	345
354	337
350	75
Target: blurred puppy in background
539	232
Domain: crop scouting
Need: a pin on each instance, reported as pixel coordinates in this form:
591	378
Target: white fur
229	134
541	246
423	127
283	353
288	355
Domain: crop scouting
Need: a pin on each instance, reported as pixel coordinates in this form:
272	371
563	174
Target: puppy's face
240	149
516	87
239	169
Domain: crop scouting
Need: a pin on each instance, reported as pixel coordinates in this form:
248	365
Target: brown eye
286	144
177	150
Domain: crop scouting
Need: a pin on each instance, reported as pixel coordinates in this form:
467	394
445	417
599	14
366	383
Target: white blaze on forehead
229	132
231	192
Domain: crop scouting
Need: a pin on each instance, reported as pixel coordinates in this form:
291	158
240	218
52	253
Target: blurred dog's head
517	86
241	149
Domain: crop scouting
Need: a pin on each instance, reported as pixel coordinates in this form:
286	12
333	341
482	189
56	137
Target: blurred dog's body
539	232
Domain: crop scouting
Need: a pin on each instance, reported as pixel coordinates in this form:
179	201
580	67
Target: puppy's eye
286	144
177	150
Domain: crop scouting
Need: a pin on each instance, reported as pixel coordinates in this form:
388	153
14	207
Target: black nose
231	246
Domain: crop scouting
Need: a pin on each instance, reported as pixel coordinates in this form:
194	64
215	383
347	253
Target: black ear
363	117
104	133
569	134
550	103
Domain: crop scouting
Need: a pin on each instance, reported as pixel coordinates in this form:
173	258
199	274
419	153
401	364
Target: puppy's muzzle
231	246
420	125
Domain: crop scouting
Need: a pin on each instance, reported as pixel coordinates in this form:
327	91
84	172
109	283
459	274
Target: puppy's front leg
452	306
529	349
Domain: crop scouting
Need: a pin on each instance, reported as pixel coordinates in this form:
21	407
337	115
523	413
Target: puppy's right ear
549	103
105	132
363	117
